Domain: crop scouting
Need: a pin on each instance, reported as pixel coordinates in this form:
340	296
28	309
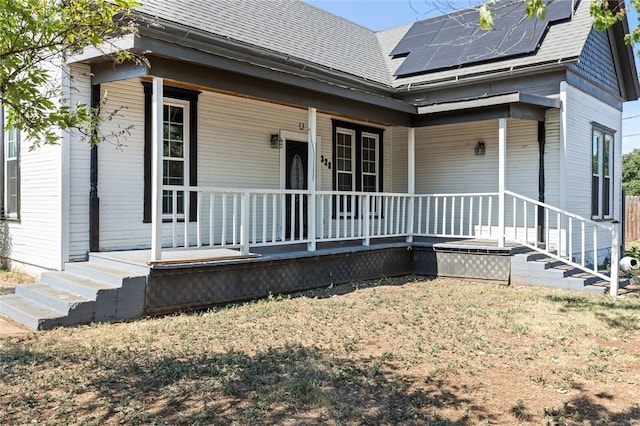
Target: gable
596	62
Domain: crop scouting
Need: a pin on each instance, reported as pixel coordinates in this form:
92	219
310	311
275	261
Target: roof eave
489	101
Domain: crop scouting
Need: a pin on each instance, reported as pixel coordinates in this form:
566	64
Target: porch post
502	157
615	259
156	169
411	179
311	181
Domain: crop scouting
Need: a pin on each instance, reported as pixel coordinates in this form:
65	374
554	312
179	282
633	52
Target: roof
290	27
294	37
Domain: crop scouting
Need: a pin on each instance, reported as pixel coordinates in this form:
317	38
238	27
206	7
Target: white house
262	124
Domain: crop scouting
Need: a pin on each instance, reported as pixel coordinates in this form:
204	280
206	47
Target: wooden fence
632	219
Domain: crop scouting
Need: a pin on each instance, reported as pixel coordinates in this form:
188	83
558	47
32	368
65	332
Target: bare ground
394	351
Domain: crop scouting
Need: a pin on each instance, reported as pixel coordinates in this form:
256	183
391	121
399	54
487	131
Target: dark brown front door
296	178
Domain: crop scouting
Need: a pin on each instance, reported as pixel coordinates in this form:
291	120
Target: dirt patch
402	351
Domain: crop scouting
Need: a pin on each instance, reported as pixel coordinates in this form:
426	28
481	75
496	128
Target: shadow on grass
294	383
623	315
585	410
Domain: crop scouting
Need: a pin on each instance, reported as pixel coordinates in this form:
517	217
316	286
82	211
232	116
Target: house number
324	160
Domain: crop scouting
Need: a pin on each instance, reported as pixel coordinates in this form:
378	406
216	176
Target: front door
296	178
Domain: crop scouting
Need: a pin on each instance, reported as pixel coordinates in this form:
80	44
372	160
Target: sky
383	14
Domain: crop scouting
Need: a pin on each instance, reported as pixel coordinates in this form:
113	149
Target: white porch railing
575	240
238	218
473	215
245	218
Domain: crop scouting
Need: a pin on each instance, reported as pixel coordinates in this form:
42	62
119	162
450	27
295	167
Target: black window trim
359	129
605	131
3	182
183	94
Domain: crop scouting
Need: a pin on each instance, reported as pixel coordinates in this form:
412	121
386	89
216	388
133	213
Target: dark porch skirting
193	286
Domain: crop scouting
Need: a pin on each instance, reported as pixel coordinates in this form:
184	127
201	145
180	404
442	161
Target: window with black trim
11	176
179	153
357	159
602	173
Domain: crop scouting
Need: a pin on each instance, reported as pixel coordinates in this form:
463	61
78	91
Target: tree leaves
631	172
35	38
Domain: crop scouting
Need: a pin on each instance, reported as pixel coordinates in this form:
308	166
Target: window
369	162
174	152
357	156
179	150
11	174
602	174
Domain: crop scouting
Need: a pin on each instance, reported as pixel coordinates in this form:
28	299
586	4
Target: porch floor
198	257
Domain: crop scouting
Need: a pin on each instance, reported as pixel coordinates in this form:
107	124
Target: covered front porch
302	213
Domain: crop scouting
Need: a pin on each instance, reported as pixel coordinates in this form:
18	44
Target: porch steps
533	268
85	292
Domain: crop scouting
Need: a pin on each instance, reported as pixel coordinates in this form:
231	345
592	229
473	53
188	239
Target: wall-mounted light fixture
479	148
276	141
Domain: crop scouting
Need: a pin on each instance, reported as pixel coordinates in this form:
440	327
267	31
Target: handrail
566	245
249	217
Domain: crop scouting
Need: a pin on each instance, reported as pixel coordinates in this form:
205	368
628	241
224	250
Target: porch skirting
199	286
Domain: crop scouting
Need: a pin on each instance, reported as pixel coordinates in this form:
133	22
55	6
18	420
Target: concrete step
79	309
533	268
100	272
30	313
76	284
130	267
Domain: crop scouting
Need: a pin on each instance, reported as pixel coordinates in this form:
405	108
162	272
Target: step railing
561	235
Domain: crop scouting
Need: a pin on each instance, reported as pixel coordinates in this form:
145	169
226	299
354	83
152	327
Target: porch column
311	181
156	169
502	161
411	179
615	259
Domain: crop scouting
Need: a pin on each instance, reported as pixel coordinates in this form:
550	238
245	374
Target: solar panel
456	39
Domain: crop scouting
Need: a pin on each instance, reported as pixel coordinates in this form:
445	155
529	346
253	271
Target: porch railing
471	215
241	218
575	240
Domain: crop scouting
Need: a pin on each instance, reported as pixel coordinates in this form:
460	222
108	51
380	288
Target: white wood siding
234	151
583	110
446	162
120	171
79	168
399	159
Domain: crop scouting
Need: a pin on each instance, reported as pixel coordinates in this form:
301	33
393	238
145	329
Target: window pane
595	194
177	149
176	132
12	187
176	114
595	151
167	202
606	194
345	182
606	155
369	183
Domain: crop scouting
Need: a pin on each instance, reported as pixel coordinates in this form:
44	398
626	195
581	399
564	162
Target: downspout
94	201
541	142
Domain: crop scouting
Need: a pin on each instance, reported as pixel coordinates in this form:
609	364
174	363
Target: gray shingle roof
302	31
286	26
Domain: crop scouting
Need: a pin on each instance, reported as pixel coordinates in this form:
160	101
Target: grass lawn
401	351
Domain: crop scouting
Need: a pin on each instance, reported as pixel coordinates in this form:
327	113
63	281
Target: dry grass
9	279
440	352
